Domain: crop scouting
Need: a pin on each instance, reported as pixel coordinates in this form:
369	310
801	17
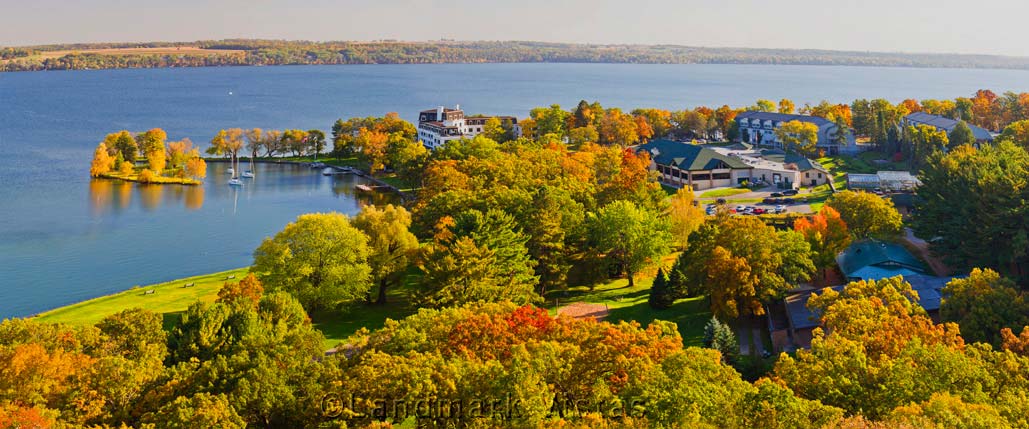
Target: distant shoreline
246	52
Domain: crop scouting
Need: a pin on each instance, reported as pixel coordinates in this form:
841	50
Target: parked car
790	192
780	209
740	209
769	201
776	194
748	211
760	211
787	200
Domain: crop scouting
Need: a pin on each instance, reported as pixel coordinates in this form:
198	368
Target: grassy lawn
169	298
628	304
727	192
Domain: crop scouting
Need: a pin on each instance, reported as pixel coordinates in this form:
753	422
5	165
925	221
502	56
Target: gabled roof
686	156
803	163
947	124
873	260
783	117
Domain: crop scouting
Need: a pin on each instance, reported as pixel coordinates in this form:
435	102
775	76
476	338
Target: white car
780	209
740	209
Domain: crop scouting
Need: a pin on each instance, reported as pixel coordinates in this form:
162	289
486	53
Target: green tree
867	215
630	236
390	243
320	258
972	208
763	105
123	143
661	297
960	135
1017	133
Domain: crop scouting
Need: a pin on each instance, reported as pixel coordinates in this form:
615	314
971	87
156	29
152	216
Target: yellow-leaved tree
102	161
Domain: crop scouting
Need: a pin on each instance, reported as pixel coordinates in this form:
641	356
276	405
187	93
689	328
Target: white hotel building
442	124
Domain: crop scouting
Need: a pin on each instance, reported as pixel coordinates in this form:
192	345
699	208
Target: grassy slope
169	298
726	192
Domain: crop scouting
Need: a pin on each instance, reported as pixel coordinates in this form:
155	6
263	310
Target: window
701	177
721	176
807	175
819	175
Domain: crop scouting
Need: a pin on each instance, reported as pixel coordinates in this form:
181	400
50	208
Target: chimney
439	113
457	107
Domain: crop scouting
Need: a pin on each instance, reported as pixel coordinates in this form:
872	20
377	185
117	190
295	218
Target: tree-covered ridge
280	52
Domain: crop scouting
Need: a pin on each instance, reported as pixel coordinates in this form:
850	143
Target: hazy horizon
920	26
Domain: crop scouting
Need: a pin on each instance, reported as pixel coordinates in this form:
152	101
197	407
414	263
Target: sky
939	26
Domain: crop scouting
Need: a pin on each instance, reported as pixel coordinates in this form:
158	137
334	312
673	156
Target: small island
146	158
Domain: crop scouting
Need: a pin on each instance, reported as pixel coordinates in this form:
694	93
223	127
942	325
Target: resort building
705	167
759	128
945	124
442	124
682	164
884	180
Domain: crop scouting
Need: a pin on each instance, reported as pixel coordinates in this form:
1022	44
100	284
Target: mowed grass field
169	299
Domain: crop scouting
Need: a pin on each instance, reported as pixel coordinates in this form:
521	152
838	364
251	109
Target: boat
231	171
250	173
328	171
235	182
318	165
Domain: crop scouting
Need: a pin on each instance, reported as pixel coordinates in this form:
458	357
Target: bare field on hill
177	50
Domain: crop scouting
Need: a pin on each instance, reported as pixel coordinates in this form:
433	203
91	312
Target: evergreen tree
719	336
660	295
960	135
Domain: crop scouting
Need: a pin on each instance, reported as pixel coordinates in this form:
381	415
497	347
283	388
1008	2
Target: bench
149	292
189	285
230	277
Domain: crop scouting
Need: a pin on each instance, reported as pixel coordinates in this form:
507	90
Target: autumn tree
763	105
618	129
247	291
982	304
684	216
151	141
390	243
179	152
867	215
197	411
295	141
157	160
799	136
786	106
630	236
1017	133
102	161
494	130
195	167
315	140
320	258
371	148
124	143
741	263
827	235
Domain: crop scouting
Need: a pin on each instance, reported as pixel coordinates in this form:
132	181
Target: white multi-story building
442	124
759	128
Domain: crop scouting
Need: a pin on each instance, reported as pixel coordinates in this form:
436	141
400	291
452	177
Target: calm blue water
64	238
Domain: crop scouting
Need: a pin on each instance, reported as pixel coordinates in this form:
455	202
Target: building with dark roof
682	164
759	128
946	124
875	260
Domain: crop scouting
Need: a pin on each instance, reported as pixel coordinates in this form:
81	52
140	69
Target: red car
758	211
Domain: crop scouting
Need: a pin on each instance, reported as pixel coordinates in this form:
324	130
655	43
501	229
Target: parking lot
771	201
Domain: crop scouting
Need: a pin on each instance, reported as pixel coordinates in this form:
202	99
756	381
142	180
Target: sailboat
234	181
250	173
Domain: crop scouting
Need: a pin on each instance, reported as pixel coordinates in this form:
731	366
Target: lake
65	237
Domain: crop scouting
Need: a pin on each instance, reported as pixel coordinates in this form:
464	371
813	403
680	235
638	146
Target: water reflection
111	196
